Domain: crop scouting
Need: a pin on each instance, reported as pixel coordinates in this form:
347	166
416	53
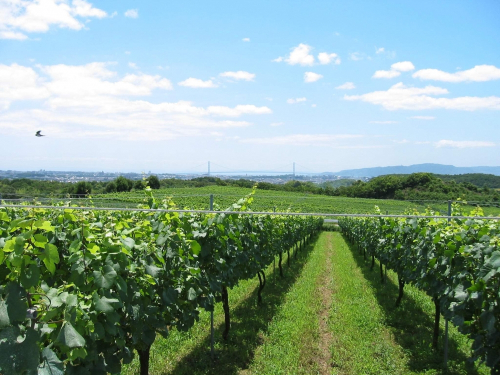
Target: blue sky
249	85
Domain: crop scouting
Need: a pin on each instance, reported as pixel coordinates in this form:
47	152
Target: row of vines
457	263
82	291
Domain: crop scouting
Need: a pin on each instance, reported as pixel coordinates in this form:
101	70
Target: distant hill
477	179
439	169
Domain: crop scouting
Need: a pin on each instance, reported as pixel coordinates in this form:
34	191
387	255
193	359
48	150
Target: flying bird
38	134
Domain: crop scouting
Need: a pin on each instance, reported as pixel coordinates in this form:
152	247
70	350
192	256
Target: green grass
373	337
293	343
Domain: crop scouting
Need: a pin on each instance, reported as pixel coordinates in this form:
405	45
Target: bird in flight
38	134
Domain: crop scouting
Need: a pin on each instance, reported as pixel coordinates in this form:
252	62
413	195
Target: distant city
74	177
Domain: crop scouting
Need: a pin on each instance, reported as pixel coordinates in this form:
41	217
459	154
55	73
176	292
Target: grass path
298	338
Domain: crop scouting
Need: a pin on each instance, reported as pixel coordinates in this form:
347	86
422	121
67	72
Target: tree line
416	186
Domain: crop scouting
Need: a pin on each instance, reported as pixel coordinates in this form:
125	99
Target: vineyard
82	290
88	291
456	263
265	200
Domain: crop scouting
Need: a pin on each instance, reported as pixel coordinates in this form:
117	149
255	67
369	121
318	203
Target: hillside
440	169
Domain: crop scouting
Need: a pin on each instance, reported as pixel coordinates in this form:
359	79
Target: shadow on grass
249	323
412	328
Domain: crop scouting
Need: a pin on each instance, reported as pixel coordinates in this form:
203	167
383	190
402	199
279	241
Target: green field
267	200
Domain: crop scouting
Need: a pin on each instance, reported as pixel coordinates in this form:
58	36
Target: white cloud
423	117
480	73
132	13
311	77
297	100
19	83
39	15
133	65
94	101
401	97
269	99
326	58
314	105
380	50
246	39
12	35
386	74
302	139
403	141
356	56
239	75
463	144
276	123
84	9
396	69
403	66
300	55
197	83
383	122
346	86
238	110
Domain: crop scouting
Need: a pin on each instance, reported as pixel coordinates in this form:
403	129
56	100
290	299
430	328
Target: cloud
239	75
276	123
238	110
15	35
297	100
380	50
131	13
346	86
412	98
93	101
403	141
326	58
311	77
463	144
197	83
246	39
314	105
302	139
133	65
396	69
20	83
39	15
423	117
403	66
356	56
299	56
386	74
480	73
383	122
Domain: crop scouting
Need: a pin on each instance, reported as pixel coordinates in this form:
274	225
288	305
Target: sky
166	86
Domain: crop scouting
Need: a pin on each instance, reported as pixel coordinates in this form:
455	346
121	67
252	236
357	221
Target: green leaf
105	277
16	303
30	276
192	294
104	304
195	247
51	365
69	337
40	240
128	243
18	354
50	257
